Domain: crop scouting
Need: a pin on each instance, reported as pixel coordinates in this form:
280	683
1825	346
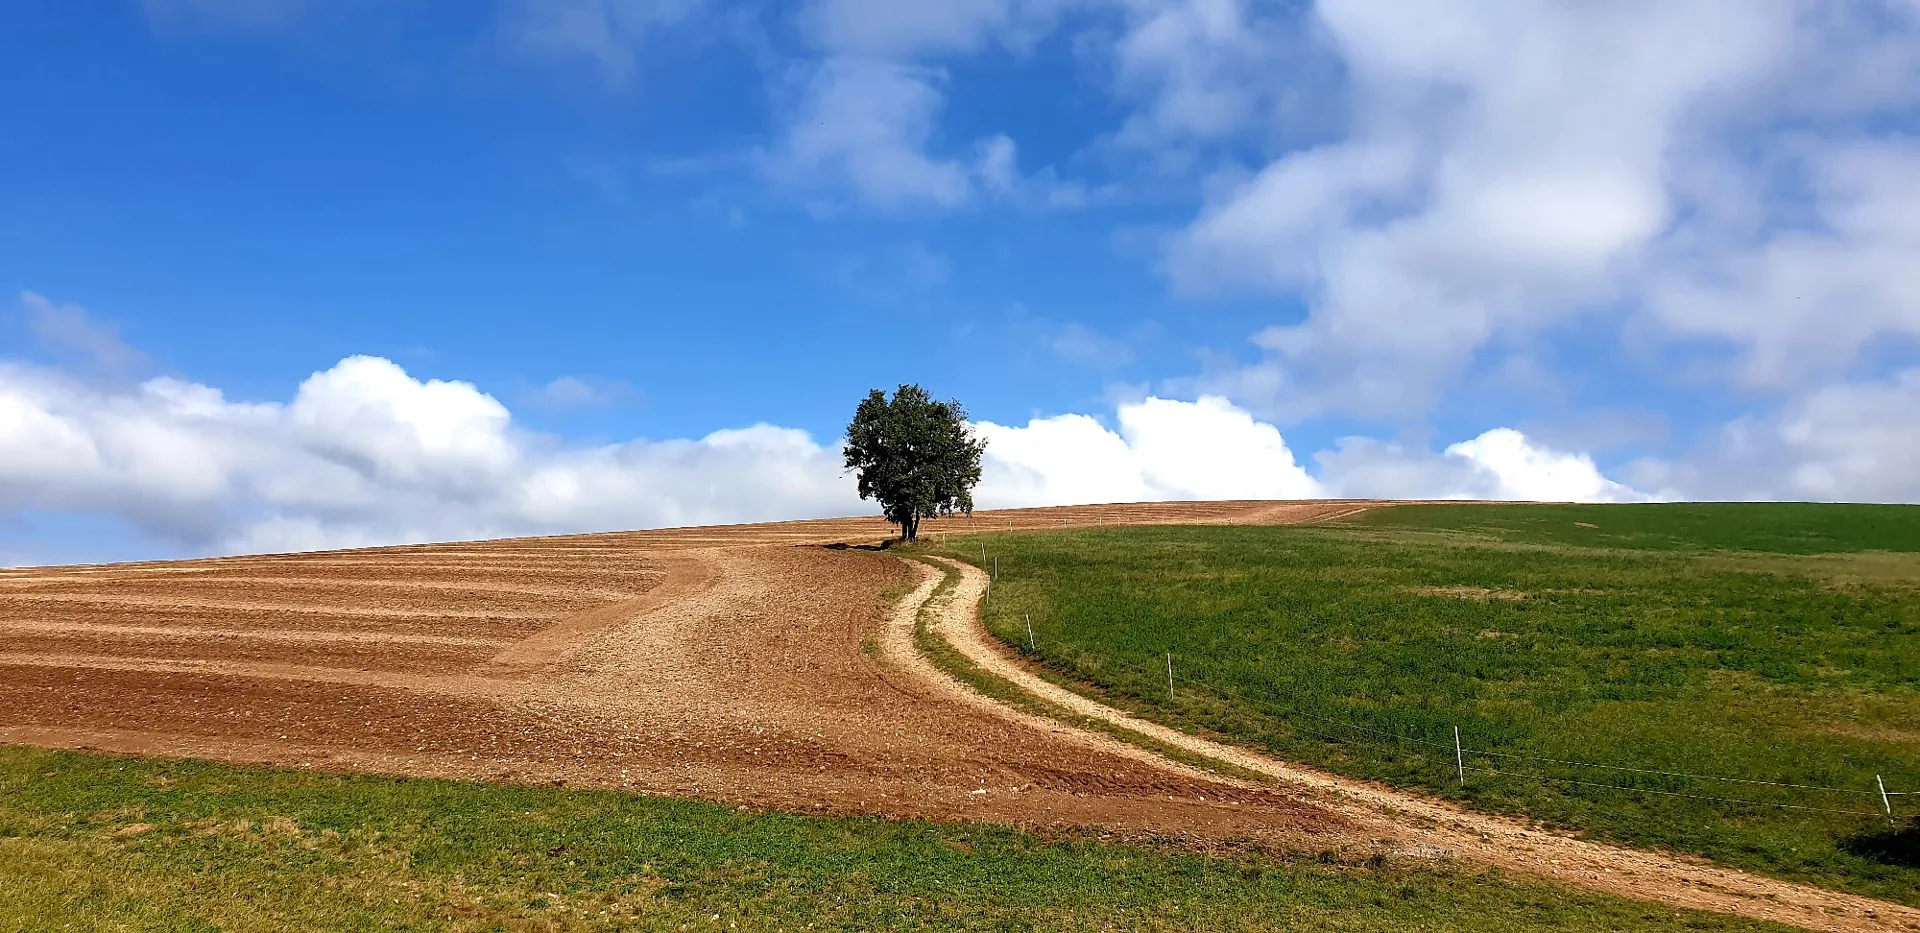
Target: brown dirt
1475	593
745	664
738	663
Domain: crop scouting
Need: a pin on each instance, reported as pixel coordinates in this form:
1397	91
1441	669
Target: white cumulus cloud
1499	464
1164	449
1725	173
366	453
1855	441
1520	469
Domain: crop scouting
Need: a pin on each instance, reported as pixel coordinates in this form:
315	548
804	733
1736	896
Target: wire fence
1461	758
1463	753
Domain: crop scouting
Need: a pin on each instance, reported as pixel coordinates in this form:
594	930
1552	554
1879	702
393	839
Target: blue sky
254	207
1517	250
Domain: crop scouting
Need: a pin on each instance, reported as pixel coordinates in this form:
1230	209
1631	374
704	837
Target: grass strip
92	842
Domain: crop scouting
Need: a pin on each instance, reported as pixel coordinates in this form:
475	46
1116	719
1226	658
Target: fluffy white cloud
1499	464
1856	441
1212	449
1164	449
367	454
1508	167
1206	71
1802	301
1522	470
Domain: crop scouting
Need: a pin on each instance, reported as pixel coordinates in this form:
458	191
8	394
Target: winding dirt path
1493	840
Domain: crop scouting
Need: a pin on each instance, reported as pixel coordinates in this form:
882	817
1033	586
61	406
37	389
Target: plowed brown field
739	663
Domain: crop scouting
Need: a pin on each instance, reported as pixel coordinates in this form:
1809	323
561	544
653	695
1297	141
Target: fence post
1169	677
1884	802
1459	757
1032	645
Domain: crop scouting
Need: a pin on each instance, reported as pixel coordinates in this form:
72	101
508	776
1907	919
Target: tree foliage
915	456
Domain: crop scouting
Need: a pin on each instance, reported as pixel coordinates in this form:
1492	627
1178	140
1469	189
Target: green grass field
1775	643
92	842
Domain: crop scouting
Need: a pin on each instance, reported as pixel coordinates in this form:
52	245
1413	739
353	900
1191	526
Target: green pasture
1578	650
98	843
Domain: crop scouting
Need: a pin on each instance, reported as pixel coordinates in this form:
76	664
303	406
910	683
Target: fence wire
1469	751
1416	747
1668	793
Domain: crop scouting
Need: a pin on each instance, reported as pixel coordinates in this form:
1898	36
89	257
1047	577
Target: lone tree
916	456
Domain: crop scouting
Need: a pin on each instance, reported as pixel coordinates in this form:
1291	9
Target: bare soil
738	663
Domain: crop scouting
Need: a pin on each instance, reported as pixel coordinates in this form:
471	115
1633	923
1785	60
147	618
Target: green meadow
98	843
1581	651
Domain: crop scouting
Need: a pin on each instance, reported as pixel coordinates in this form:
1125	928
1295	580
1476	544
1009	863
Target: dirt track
745	664
1422	821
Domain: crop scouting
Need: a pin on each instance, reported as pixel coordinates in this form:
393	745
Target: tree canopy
915	456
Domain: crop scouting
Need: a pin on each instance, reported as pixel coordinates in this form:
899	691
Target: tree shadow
1899	846
843	546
